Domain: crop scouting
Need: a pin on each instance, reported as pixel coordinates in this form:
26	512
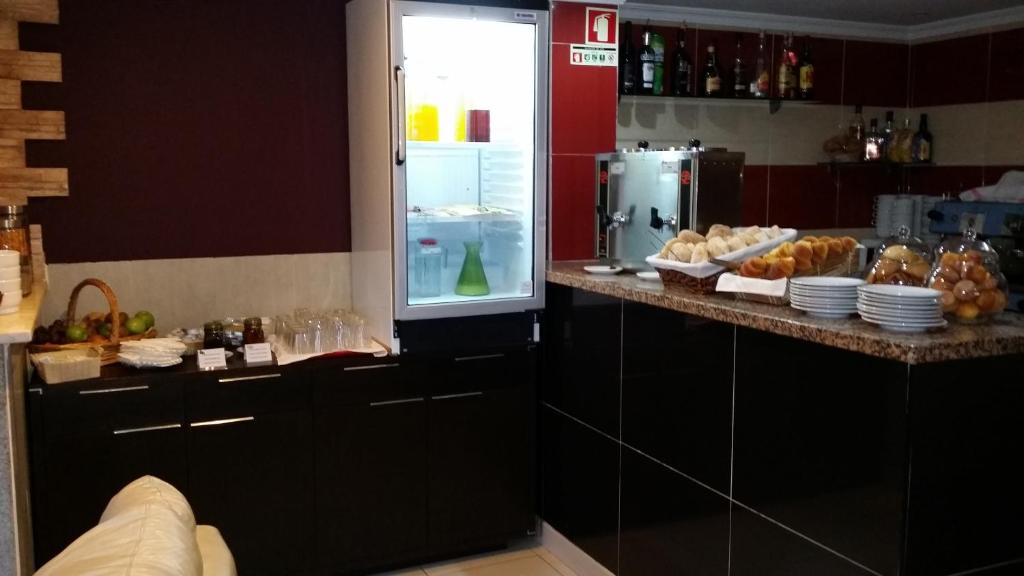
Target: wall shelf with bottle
773	104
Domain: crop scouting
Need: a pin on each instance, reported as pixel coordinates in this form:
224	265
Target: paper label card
212	359
258	354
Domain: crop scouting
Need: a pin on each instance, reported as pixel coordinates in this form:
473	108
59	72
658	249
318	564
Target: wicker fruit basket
109	349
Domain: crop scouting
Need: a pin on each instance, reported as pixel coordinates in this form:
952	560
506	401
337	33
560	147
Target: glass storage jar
14	235
967	273
902	259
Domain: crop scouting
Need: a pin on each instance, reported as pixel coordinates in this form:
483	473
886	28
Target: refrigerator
448	156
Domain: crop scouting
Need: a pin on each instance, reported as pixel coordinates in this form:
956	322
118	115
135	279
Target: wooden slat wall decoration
17	181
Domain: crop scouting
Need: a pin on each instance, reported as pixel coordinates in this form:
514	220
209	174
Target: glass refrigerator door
467	192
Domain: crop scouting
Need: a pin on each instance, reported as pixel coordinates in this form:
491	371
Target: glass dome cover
902	259
967	273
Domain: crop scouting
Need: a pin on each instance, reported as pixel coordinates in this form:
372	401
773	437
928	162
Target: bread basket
108	350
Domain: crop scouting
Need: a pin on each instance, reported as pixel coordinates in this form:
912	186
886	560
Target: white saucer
826	282
649	276
603	270
893	291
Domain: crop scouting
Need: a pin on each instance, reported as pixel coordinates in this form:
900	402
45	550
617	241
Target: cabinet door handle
481	357
114	390
36	391
245	378
393	402
401	120
370	367
123	431
222	421
454	396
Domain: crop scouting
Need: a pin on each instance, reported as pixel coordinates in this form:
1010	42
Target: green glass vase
472	280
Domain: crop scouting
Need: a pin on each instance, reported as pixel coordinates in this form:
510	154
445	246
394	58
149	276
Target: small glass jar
213	335
902	260
14	235
967	273
253	331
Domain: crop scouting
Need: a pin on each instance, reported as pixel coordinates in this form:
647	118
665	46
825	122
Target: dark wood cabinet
95	442
480	428
371	467
250	468
333	466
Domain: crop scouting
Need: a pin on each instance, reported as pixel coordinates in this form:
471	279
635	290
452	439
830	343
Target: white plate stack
900	308
824	297
10	281
152	352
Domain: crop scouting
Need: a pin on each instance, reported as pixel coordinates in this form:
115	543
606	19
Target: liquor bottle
787	73
683	69
712	80
627	65
899	149
874	143
887	132
658	45
739	72
646	64
857	123
760	85
806	73
922	147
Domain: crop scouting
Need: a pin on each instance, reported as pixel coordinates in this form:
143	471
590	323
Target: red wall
848	72
583	108
195	129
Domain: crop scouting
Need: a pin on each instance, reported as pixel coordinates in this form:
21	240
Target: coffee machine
1001	224
645	197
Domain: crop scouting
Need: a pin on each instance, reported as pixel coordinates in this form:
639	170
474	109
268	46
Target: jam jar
903	260
967	273
253	331
213	335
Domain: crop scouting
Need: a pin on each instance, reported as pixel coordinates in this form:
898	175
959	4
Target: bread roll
811	239
699	255
774	232
666	250
835	248
762	236
820	252
682	251
719	231
784	249
691	237
849	243
736	243
782	268
717	246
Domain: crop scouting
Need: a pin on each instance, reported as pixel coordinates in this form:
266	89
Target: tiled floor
526	561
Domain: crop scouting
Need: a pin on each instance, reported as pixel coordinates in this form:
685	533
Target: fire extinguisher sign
602	27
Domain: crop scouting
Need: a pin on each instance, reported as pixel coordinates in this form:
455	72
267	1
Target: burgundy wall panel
951	180
754	202
875	74
573	212
951	71
1007	65
856	190
199	129
801	197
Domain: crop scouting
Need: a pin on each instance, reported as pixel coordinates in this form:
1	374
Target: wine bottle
646	64
760	84
683	68
874	143
787	86
739	72
857	124
627	65
712	80
806	73
922	147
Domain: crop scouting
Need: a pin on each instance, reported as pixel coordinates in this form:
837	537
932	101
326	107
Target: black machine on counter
1001	224
645	197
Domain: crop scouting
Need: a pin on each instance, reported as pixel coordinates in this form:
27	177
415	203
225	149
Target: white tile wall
187	292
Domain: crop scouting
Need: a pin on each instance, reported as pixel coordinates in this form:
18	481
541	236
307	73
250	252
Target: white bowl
10	258
10	273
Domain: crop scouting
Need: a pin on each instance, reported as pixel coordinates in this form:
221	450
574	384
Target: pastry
666	250
849	243
754	267
717	246
819	252
835	248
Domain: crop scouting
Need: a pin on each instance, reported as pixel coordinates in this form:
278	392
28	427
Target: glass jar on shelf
14	235
967	273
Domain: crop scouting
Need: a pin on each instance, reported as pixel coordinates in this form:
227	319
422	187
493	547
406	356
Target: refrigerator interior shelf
461	213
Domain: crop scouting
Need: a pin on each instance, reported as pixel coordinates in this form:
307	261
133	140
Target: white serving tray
705	269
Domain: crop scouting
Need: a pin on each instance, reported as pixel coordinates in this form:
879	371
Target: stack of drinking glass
308	331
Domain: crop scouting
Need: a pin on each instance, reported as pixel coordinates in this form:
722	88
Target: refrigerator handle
400	123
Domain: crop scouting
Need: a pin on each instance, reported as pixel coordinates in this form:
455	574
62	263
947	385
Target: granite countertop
1004	335
17	328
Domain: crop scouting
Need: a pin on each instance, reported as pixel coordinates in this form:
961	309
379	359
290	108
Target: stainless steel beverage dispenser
645	197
